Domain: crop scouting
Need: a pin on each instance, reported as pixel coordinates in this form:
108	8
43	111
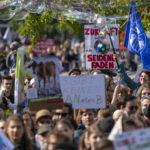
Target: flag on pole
135	38
19	78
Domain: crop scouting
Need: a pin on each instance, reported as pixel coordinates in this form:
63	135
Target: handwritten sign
86	91
95	34
134	140
32	93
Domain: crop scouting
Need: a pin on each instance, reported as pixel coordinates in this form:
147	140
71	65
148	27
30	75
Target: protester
65	126
56	137
42	136
29	124
92	135
130	105
15	130
87	118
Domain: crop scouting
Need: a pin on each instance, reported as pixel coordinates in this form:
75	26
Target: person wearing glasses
130	105
145	106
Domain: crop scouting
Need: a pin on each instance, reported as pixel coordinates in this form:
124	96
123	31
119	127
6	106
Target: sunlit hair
139	92
27	141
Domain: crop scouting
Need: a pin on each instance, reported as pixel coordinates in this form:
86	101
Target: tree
53	20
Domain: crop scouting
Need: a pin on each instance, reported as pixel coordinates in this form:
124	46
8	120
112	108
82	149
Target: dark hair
6	78
103	144
69	106
128	98
146	72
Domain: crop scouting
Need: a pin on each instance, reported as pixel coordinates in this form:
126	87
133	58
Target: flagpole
108	31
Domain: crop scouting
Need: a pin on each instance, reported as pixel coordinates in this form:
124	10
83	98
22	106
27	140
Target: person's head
128	124
7	83
122	92
144	76
93	135
65	112
130	104
65	126
117	114
106	125
103	113
56	137
42	133
14	46
110	86
145	106
43	116
144	90
28	122
87	116
14	128
95	72
104	144
74	72
2	125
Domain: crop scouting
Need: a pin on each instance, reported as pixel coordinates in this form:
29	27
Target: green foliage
51	23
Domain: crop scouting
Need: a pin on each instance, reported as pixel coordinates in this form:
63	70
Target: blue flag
135	38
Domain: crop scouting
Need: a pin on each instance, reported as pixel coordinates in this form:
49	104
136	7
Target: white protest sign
5	143
32	93
134	140
86	91
93	36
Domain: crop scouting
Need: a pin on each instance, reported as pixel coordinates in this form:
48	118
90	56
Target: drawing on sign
45	71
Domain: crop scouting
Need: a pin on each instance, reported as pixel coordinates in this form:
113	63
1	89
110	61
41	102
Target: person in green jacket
144	77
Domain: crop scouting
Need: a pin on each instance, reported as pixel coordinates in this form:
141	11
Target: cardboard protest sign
86	91
95	34
45	71
5	143
134	140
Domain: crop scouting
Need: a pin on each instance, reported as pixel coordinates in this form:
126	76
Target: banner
95	34
134	140
86	91
19	77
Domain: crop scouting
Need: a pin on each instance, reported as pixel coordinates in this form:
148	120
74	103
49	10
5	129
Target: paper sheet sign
134	140
86	91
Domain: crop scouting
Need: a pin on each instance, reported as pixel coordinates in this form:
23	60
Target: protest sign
134	140
42	45
86	91
45	71
5	143
95	34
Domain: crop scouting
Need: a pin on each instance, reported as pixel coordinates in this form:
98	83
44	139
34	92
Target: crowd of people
64	128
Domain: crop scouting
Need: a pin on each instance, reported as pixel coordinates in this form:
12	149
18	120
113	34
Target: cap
14	45
74	69
44	128
42	113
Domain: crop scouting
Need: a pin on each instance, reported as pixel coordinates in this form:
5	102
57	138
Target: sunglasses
61	114
133	107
